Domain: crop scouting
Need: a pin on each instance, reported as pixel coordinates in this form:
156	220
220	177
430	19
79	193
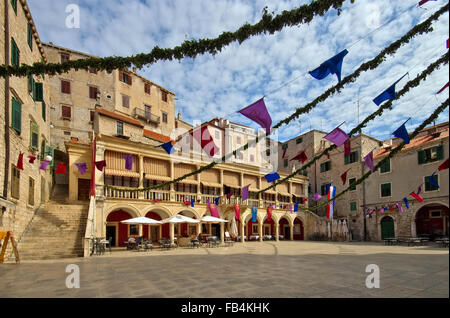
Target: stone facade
18	206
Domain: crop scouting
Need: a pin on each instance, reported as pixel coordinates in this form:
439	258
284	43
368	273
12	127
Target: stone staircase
57	231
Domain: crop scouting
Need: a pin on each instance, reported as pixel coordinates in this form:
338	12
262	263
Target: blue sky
220	85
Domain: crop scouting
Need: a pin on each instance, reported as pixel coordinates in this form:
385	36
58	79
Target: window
38	92
43	147
67	133
324	188
299	140
119	128
385	190
255	229
326	166
435	214
285	163
126	78
252	158
125	101
14	5
65	57
134	229
164	117
44	111
431	154
92	115
430	186
15	182
284	146
66	112
30	36
147	88
93	91
353	206
148	111
386	166
15	53
351	158
351	182
65	87
164	96
31	191
34	135
16	114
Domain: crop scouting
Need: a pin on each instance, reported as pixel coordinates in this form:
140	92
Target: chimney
179	116
134	69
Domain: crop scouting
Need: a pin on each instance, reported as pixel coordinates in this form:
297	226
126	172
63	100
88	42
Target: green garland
421	28
268	24
388	105
428	121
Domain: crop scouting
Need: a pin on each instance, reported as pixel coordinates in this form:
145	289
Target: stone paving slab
253	269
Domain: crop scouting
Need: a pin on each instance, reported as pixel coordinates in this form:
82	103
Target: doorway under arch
432	221
387	227
298	230
118	231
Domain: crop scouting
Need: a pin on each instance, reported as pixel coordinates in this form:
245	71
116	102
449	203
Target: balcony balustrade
146	115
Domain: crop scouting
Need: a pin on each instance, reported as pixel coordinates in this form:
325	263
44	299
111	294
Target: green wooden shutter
38	92
31	84
34	130
44	111
30	37
422	157
346	159
50	151
440	152
14	5
16	117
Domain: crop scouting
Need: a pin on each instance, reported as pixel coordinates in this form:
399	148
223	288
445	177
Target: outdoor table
212	241
267	237
444	242
238	238
254	237
390	241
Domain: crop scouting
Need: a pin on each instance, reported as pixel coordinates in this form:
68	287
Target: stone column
100	175
291	231
222	232
242	231
221	182
260	230
290	191
277	231
260	202
171	227
172	188
199	228
141	176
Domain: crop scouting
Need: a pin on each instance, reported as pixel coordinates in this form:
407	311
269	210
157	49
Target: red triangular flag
32	159
347	147
205	139
444	165
100	164
229	195
391	207
417	197
301	156
344	177
61	168
442	89
20	161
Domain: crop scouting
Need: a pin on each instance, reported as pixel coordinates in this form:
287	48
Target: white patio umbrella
179	219
141	220
212	219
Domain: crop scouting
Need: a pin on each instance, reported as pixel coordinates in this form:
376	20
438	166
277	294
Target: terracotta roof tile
156	136
119	116
416	142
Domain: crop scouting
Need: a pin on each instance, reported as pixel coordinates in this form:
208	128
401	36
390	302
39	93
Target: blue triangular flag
402	133
388	93
254	214
406	202
296	207
333	66
168	147
216	200
271	177
433	181
192	202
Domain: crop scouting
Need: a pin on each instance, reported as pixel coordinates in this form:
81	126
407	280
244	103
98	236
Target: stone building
403	174
24	121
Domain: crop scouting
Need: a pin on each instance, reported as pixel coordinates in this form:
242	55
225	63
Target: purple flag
207	200
244	192
82	167
290	207
399	207
259	114
128	162
317	197
369	160
419	189
337	136
44	165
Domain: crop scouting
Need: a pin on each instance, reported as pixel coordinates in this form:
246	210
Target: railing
157	195
205	198
148	116
251	202
121	193
183	197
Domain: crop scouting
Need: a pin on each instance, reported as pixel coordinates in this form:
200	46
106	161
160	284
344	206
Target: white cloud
210	86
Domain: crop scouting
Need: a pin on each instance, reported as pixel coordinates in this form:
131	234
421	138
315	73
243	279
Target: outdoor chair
195	243
131	243
228	240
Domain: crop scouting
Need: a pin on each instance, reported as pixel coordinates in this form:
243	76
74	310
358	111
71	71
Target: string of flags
414	194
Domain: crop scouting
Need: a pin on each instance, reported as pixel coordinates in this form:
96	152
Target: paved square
254	269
